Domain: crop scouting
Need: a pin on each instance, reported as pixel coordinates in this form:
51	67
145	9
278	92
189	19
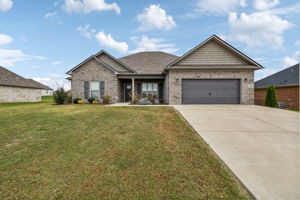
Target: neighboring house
14	88
45	91
286	83
211	73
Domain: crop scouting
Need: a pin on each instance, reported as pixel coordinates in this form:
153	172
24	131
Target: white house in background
46	91
15	88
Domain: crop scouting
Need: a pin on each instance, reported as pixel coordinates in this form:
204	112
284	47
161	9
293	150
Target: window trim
151	91
90	92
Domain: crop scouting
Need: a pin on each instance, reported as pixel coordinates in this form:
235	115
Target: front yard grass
97	152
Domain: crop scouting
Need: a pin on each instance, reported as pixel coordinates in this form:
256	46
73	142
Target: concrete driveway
259	144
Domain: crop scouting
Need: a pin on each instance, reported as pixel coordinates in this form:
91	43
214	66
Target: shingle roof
9	78
151	62
45	87
286	77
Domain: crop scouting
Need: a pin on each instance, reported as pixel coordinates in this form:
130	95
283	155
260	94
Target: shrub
91	99
75	101
95	102
145	101
136	98
80	101
69	97
106	99
59	96
271	98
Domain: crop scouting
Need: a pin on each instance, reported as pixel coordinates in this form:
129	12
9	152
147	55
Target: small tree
271	97
60	95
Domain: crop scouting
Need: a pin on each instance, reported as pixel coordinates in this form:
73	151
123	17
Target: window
94	87
150	89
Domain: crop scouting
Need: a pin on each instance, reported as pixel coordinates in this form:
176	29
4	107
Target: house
286	84
14	88
45	91
213	72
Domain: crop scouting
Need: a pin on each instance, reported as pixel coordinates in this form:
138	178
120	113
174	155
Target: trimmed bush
95	102
59	96
91	99
106	99
80	101
271	97
75	101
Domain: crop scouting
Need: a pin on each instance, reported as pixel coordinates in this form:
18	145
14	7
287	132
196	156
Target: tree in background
271	97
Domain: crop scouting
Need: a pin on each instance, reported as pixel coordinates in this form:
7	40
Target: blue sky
44	39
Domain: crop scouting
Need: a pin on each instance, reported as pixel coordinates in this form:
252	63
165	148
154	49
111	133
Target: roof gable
113	62
286	77
106	60
214	52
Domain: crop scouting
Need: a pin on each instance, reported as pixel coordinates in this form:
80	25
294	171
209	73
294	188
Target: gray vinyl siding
212	53
115	65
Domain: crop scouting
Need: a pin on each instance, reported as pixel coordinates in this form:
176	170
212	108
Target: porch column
132	89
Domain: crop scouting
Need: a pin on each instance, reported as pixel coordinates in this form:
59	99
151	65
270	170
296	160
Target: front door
127	91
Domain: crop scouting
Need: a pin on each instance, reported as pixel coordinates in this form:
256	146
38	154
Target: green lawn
97	152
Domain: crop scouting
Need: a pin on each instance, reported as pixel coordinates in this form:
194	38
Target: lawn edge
217	156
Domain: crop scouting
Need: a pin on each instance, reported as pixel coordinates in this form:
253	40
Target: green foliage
91	99
59	96
106	99
69	97
75	101
271	97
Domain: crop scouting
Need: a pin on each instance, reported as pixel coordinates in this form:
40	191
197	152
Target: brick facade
246	76
287	95
94	71
19	94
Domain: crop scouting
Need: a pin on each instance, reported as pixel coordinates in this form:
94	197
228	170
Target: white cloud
109	41
291	60
86	31
87	6
54	83
5	5
145	43
265	4
8	57
218	7
258	29
154	17
50	15
53	16
104	39
5	39
56	63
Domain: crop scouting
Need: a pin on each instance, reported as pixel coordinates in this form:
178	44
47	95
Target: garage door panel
211	91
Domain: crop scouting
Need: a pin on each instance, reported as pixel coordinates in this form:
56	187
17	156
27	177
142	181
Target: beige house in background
14	88
213	72
45	91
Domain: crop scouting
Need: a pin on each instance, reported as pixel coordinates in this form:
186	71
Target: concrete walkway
259	144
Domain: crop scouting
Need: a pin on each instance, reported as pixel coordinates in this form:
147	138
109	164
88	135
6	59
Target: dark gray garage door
211	91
